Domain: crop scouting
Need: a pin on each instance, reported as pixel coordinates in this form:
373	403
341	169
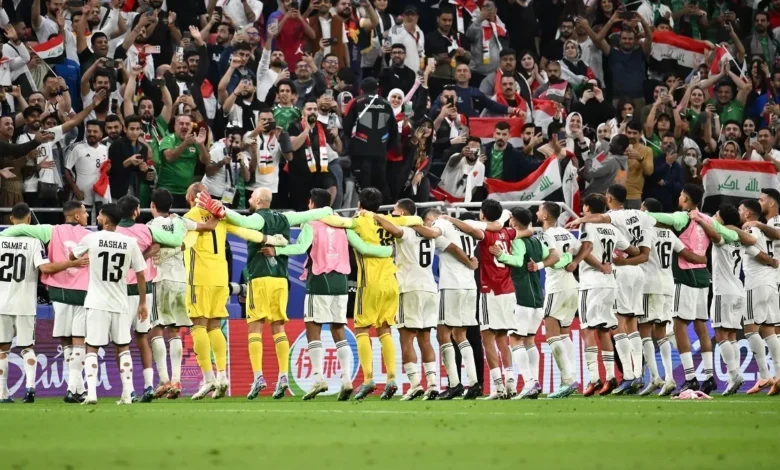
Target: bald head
261	198
193	190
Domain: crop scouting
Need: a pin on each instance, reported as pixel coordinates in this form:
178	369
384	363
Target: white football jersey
414	259
452	273
773	246
561	240
111	256
726	268
19	261
85	162
605	239
172	268
658	269
758	274
634	225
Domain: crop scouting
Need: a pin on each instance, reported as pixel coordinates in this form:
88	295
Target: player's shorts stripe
154	315
549	305
484	310
251	295
361	268
584	307
359	301
717	309
401	309
646	304
192	267
750	305
441	305
677	297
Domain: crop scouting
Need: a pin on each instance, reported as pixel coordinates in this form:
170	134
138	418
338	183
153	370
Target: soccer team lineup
638	285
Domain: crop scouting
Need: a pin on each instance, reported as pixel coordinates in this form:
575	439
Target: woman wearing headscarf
395	159
576	142
573	69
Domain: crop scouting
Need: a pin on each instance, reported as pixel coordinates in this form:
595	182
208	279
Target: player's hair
653	205
752	205
522	215
618	191
112	213
729	214
468	216
553	209
407	205
597	203
20	211
127	204
370	199
694	192
435	211
491	209
71	206
772	193
320	198
162	200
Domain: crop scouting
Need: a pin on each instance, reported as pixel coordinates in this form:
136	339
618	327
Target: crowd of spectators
107	98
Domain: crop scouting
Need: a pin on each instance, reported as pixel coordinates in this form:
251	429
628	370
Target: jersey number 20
13	267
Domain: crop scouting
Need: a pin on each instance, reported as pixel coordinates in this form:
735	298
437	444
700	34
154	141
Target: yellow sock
388	355
365	356
219	346
256	352
282	352
202	347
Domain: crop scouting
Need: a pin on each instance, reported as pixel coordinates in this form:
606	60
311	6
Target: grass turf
632	432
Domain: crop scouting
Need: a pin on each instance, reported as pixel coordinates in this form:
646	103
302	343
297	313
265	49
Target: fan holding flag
488	38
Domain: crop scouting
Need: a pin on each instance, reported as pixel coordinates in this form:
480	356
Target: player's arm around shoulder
298	218
389	226
339	222
367	249
512	259
83	247
427	232
253	221
301	245
41	232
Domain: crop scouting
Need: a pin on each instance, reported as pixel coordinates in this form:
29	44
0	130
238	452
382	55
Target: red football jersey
494	276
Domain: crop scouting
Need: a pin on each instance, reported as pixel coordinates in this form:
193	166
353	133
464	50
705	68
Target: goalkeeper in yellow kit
376	303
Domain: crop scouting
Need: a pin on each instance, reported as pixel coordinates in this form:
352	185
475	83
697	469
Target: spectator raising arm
87	77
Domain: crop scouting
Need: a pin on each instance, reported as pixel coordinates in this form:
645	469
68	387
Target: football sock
609	364
448	358
591	358
648	350
315	356
282	353
91	364
467	358
727	352
388	355
665	346
201	345
561	358
67	353
75	382
431	379
3	374
636	353
706	361
509	375
365	356
177	353
344	354
160	358
495	379
773	343
410	369
687	361
623	346
520	357
219	346
756	343
256	353
30	367
148	375
570	352
126	373
533	361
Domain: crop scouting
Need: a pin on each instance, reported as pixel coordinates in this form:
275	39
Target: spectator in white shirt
229	166
83	164
411	36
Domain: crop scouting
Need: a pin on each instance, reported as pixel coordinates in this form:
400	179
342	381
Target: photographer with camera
464	175
229	170
272	144
291	27
129	158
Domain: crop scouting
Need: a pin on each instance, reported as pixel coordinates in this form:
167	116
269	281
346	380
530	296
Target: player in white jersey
560	302
597	296
635	226
728	302
657	301
762	299
20	260
457	304
111	256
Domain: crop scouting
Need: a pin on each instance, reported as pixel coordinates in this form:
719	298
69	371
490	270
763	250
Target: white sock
160	358
208	377
448	358
648	351
345	355
533	361
687	361
591	359
570	352
609	364
410	368
30	370
67	352
467	356
177	353
706	361
561	358
636	353
222	375
756	343
148	377
520	357
509	374
315	355
773	343
495	378
666	358
91	364
727	352
431	379
75	370
623	347
4	376
126	373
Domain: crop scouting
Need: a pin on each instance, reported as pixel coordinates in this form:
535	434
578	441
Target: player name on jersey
13	245
112	244
605	231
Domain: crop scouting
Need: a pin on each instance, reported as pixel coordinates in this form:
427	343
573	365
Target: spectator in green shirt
728	107
761	41
181	152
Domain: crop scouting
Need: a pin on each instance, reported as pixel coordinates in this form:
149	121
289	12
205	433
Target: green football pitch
733	432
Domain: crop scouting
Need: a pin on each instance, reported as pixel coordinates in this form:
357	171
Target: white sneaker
733	386
413	393
668	388
494	395
205	389
431	394
125	400
654	385
511	388
220	389
89	401
318	387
